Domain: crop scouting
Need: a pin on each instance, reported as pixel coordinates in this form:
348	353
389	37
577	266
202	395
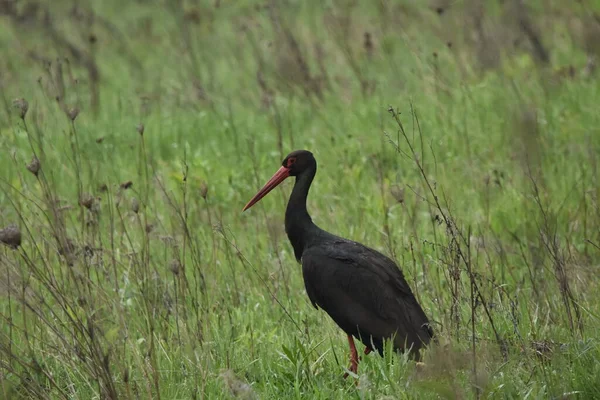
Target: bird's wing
362	289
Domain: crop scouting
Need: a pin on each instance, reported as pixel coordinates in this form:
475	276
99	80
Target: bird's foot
353	357
353	368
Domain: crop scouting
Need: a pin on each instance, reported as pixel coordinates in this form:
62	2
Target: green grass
166	290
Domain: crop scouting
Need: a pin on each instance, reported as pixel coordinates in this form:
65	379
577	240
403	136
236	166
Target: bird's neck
298	223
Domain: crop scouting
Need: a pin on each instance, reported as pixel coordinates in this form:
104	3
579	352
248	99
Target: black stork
362	290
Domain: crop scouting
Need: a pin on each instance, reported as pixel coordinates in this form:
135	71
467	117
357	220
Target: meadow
462	139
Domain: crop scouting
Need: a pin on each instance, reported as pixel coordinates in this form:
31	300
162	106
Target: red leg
353	356
368	350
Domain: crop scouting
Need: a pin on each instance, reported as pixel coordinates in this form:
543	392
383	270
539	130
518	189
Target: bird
362	290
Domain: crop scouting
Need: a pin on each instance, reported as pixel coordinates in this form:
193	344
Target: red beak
275	180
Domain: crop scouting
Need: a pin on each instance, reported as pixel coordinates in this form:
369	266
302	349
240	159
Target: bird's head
298	161
292	165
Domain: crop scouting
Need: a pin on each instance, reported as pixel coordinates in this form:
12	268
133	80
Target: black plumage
362	290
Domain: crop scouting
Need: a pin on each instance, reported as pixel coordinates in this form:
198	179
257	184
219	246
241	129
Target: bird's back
365	293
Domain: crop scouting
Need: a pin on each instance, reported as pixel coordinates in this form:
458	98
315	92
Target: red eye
290	162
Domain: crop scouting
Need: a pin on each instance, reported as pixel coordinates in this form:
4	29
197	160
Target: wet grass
462	141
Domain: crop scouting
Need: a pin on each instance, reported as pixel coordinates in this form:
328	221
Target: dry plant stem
415	272
144	278
111	218
47	192
7	106
550	241
185	222
199	295
246	262
455	233
208	207
76	153
274	240
145	191
40	392
385	209
85	337
473	312
177	310
236	296
597	246
585	209
10	316
44	273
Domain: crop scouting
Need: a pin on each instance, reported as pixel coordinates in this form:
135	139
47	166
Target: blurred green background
133	133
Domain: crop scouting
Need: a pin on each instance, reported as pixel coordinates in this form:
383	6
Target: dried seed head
126	185
140	129
66	247
105	361
11	236
103	187
100	139
135	205
368	43
86	200
34	166
96	205
168	240
22	106
175	266
36	366
88	250
204	190
73	113
397	193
